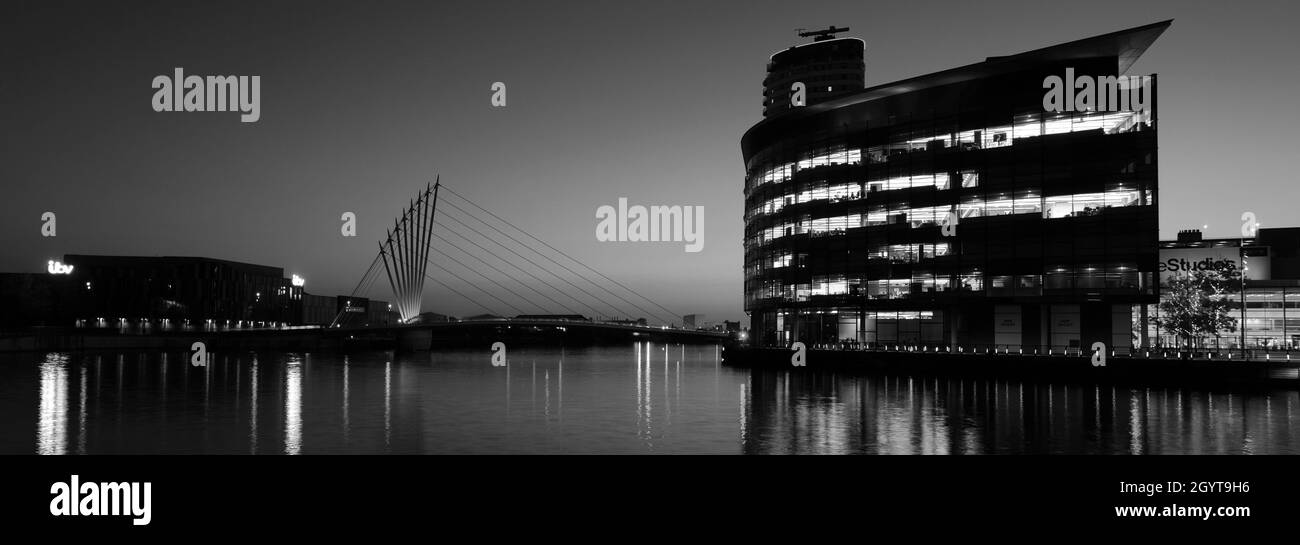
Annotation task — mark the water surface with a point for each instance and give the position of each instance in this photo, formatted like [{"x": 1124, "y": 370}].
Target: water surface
[{"x": 642, "y": 398}]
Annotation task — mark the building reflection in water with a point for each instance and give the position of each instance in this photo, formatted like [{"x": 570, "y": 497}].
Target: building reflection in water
[
  {"x": 52, "y": 418},
  {"x": 293, "y": 405},
  {"x": 683, "y": 400},
  {"x": 346, "y": 411},
  {"x": 644, "y": 418},
  {"x": 252, "y": 407},
  {"x": 659, "y": 370},
  {"x": 824, "y": 413},
  {"x": 81, "y": 412},
  {"x": 388, "y": 404}
]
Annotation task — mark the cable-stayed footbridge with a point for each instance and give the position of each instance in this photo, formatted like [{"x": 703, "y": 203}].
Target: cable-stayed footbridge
[{"x": 514, "y": 277}]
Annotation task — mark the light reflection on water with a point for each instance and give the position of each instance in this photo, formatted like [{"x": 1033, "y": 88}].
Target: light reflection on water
[
  {"x": 832, "y": 414},
  {"x": 642, "y": 398},
  {"x": 51, "y": 428},
  {"x": 293, "y": 406}
]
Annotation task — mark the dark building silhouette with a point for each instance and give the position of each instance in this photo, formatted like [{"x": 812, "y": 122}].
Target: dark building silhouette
[
  {"x": 829, "y": 68},
  {"x": 174, "y": 293},
  {"x": 180, "y": 289},
  {"x": 345, "y": 311},
  {"x": 39, "y": 299},
  {"x": 1051, "y": 237}
]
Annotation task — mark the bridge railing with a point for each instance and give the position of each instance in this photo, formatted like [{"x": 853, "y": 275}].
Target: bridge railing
[{"x": 650, "y": 327}]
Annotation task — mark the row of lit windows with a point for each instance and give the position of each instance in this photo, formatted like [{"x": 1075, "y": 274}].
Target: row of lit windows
[
  {"x": 854, "y": 191},
  {"x": 1272, "y": 321},
  {"x": 972, "y": 280},
  {"x": 1025, "y": 126},
  {"x": 1028, "y": 202},
  {"x": 895, "y": 253}
]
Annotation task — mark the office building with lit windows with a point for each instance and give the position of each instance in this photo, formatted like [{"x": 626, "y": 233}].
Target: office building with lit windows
[
  {"x": 1267, "y": 302},
  {"x": 952, "y": 209}
]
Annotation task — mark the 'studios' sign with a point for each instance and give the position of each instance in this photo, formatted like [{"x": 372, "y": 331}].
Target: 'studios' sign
[
  {"x": 1175, "y": 264},
  {"x": 1184, "y": 261}
]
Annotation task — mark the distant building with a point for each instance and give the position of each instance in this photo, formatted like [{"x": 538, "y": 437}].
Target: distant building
[
  {"x": 638, "y": 321},
  {"x": 828, "y": 68},
  {"x": 171, "y": 293},
  {"x": 692, "y": 321},
  {"x": 1270, "y": 262},
  {"x": 39, "y": 299},
  {"x": 179, "y": 289},
  {"x": 345, "y": 311},
  {"x": 434, "y": 318},
  {"x": 380, "y": 313},
  {"x": 569, "y": 317},
  {"x": 318, "y": 309},
  {"x": 483, "y": 317}
]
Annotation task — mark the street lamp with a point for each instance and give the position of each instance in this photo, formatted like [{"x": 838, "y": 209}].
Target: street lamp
[{"x": 1244, "y": 268}]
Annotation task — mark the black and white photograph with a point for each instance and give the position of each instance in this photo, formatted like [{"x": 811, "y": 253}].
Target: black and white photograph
[{"x": 1051, "y": 246}]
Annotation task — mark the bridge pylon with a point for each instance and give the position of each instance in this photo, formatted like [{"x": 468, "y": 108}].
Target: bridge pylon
[{"x": 405, "y": 252}]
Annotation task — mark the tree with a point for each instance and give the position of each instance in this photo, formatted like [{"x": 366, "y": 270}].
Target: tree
[{"x": 1199, "y": 304}]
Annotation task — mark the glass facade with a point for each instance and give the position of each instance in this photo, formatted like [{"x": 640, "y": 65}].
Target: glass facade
[
  {"x": 1272, "y": 322},
  {"x": 1267, "y": 318},
  {"x": 922, "y": 211}
]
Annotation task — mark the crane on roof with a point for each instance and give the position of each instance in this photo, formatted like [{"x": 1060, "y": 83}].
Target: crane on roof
[{"x": 822, "y": 35}]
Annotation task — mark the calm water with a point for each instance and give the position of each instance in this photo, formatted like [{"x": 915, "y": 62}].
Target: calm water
[{"x": 633, "y": 399}]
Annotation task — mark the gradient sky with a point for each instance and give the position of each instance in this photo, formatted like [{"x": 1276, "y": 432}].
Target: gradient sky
[{"x": 363, "y": 104}]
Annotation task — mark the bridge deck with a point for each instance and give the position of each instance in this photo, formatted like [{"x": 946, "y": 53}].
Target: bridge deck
[{"x": 576, "y": 324}]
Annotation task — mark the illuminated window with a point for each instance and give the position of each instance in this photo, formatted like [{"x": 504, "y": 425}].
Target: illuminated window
[
  {"x": 1028, "y": 202},
  {"x": 971, "y": 280},
  {"x": 999, "y": 204}
]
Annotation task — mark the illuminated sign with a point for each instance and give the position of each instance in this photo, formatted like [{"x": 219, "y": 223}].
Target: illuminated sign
[
  {"x": 54, "y": 267},
  {"x": 298, "y": 281},
  {"x": 1185, "y": 261},
  {"x": 1175, "y": 264}
]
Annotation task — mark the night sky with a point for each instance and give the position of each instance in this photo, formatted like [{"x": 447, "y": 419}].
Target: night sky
[{"x": 363, "y": 104}]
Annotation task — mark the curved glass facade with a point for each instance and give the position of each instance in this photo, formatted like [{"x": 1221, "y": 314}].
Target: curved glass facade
[{"x": 952, "y": 210}]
